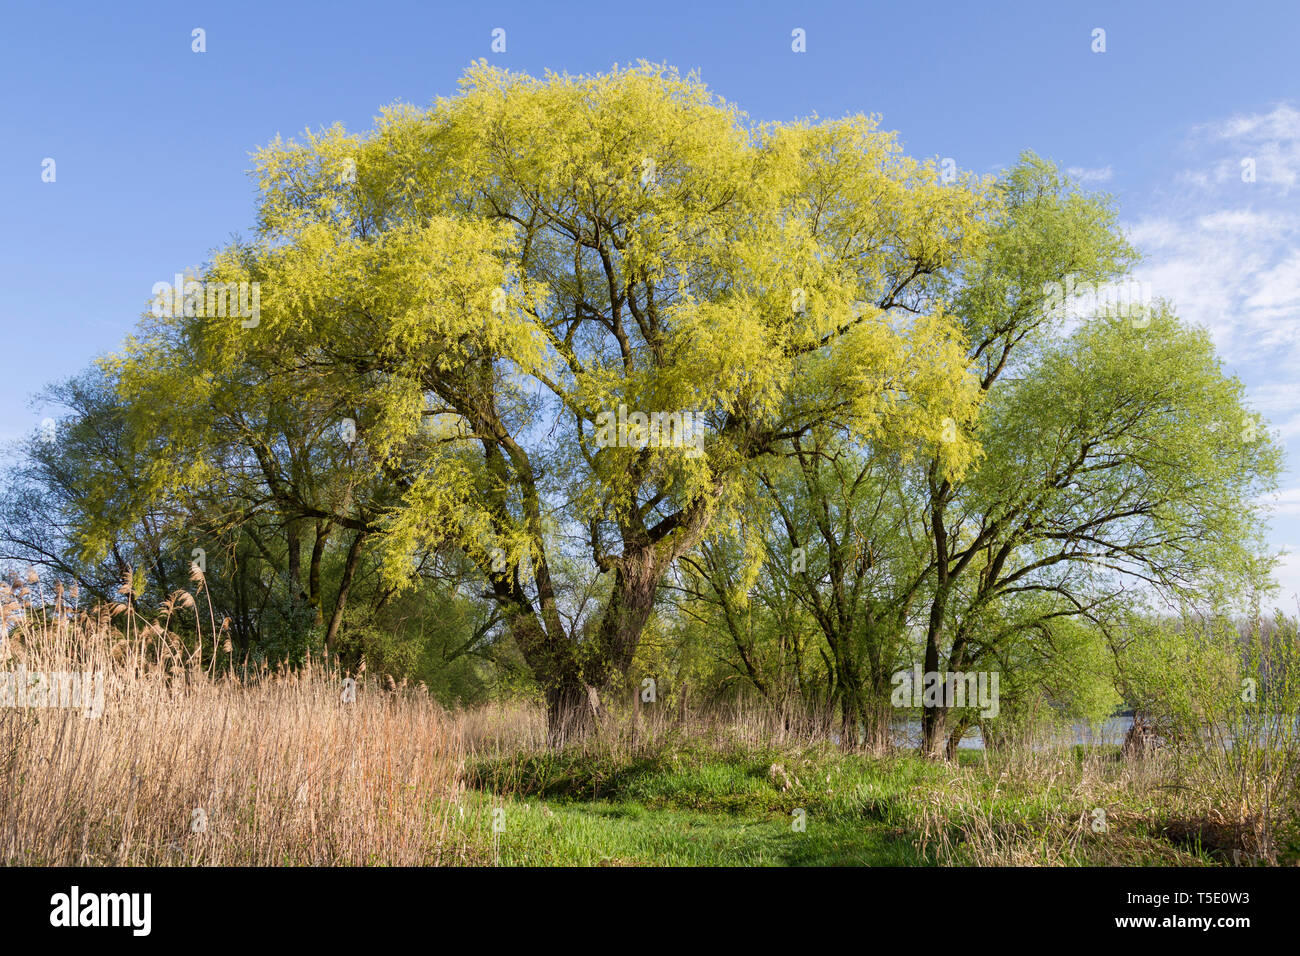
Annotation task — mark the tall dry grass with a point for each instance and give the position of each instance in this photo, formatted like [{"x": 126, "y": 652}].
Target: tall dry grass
[
  {"x": 1040, "y": 804},
  {"x": 190, "y": 765},
  {"x": 624, "y": 727},
  {"x": 1044, "y": 804}
]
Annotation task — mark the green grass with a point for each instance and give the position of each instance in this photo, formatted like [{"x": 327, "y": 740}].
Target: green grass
[
  {"x": 699, "y": 778},
  {"x": 688, "y": 804},
  {"x": 693, "y": 806},
  {"x": 602, "y": 833}
]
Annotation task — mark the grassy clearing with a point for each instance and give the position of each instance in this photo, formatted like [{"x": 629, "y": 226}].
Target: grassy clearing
[
  {"x": 686, "y": 807},
  {"x": 690, "y": 804},
  {"x": 605, "y": 833}
]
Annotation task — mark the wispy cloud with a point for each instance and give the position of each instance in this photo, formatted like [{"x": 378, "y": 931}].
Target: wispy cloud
[
  {"x": 1283, "y": 502},
  {"x": 1267, "y": 144},
  {"x": 1087, "y": 174},
  {"x": 1223, "y": 245},
  {"x": 1287, "y": 575},
  {"x": 1226, "y": 250}
]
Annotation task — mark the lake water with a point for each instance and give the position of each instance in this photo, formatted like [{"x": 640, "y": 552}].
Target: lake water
[{"x": 1111, "y": 731}]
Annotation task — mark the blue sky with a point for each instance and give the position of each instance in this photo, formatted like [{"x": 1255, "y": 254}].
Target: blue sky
[{"x": 151, "y": 140}]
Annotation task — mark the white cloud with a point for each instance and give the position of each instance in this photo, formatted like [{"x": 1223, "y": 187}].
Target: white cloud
[
  {"x": 1228, "y": 271},
  {"x": 1227, "y": 252},
  {"x": 1086, "y": 174},
  {"x": 1287, "y": 427},
  {"x": 1287, "y": 575},
  {"x": 1283, "y": 123},
  {"x": 1279, "y": 403},
  {"x": 1246, "y": 223},
  {"x": 1279, "y": 286},
  {"x": 1271, "y": 140},
  {"x": 1283, "y": 502}
]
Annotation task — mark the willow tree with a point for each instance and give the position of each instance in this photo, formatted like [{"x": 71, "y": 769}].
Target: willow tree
[
  {"x": 1118, "y": 464},
  {"x": 1124, "y": 466},
  {"x": 1118, "y": 461},
  {"x": 485, "y": 284},
  {"x": 842, "y": 554}
]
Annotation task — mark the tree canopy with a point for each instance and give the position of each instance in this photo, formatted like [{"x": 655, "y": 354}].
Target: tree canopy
[{"x": 564, "y": 346}]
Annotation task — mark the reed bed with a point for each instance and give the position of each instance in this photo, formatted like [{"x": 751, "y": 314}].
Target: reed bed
[{"x": 192, "y": 764}]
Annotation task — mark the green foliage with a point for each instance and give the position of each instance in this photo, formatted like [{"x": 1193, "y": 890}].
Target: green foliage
[{"x": 401, "y": 457}]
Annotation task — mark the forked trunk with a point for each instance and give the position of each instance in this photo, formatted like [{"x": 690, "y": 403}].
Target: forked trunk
[{"x": 570, "y": 714}]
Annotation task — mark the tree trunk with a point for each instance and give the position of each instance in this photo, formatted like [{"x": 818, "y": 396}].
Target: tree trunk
[
  {"x": 345, "y": 585},
  {"x": 293, "y": 543},
  {"x": 570, "y": 716},
  {"x": 853, "y": 711},
  {"x": 954, "y": 741},
  {"x": 313, "y": 570},
  {"x": 932, "y": 717},
  {"x": 647, "y": 555},
  {"x": 635, "y": 582}
]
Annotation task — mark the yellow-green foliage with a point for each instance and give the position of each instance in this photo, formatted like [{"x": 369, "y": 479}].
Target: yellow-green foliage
[{"x": 502, "y": 267}]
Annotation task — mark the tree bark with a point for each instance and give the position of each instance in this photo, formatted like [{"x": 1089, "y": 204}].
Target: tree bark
[
  {"x": 294, "y": 545},
  {"x": 932, "y": 717},
  {"x": 345, "y": 585},
  {"x": 570, "y": 716},
  {"x": 313, "y": 570}
]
